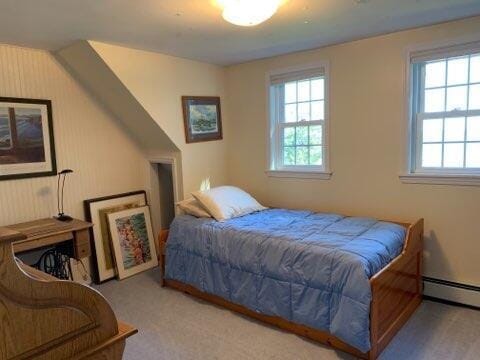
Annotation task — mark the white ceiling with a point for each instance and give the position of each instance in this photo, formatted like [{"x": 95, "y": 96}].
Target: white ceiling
[{"x": 195, "y": 29}]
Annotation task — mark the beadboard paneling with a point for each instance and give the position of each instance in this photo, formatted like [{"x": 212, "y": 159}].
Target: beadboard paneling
[{"x": 87, "y": 140}]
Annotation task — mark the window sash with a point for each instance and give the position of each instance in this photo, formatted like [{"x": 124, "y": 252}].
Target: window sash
[
  {"x": 276, "y": 93},
  {"x": 419, "y": 142},
  {"x": 279, "y": 155},
  {"x": 418, "y": 66}
]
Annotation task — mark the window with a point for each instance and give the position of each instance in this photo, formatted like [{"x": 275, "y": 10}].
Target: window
[
  {"x": 298, "y": 116},
  {"x": 445, "y": 111},
  {"x": 5, "y": 132}
]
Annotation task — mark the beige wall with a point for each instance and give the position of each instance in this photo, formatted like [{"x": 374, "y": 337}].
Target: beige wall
[
  {"x": 157, "y": 82},
  {"x": 367, "y": 137},
  {"x": 87, "y": 140}
]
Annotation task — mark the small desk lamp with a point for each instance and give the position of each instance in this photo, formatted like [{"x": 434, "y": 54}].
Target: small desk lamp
[{"x": 61, "y": 216}]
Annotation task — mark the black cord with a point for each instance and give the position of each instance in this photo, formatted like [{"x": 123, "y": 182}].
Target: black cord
[
  {"x": 58, "y": 193},
  {"x": 63, "y": 185}
]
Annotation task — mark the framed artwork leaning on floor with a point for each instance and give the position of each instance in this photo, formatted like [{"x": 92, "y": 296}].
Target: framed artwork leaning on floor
[{"x": 132, "y": 241}]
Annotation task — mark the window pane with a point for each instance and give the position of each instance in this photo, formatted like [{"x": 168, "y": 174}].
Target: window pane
[
  {"x": 5, "y": 141},
  {"x": 474, "y": 97},
  {"x": 434, "y": 100},
  {"x": 302, "y": 135},
  {"x": 457, "y": 71},
  {"x": 290, "y": 92},
  {"x": 316, "y": 155},
  {"x": 475, "y": 69},
  {"x": 318, "y": 112},
  {"x": 291, "y": 113},
  {"x": 473, "y": 128},
  {"x": 289, "y": 136},
  {"x": 302, "y": 155},
  {"x": 455, "y": 129},
  {"x": 435, "y": 74},
  {"x": 289, "y": 155},
  {"x": 457, "y": 98},
  {"x": 473, "y": 155},
  {"x": 315, "y": 135},
  {"x": 318, "y": 89},
  {"x": 304, "y": 111},
  {"x": 304, "y": 90},
  {"x": 453, "y": 155},
  {"x": 432, "y": 155},
  {"x": 432, "y": 130}
]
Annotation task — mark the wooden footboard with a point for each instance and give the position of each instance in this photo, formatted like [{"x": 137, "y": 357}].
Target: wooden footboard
[
  {"x": 396, "y": 293},
  {"x": 396, "y": 290}
]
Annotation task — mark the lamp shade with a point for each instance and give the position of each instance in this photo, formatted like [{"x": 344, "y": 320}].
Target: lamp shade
[{"x": 248, "y": 12}]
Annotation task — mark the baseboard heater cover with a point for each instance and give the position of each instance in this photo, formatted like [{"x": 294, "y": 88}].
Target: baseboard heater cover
[{"x": 452, "y": 291}]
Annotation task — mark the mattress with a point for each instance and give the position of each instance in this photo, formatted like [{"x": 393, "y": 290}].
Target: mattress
[{"x": 309, "y": 268}]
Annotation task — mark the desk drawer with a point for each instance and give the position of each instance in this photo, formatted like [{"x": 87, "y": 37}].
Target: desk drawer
[
  {"x": 82, "y": 250},
  {"x": 81, "y": 244}
]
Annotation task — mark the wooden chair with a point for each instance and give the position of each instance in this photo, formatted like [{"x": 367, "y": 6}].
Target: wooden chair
[{"x": 45, "y": 318}]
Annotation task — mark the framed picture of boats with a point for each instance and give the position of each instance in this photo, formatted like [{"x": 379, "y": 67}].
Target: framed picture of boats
[{"x": 202, "y": 118}]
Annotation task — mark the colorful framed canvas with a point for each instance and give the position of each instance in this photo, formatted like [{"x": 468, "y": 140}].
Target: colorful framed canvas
[
  {"x": 132, "y": 241},
  {"x": 27, "y": 147},
  {"x": 202, "y": 118},
  {"x": 96, "y": 212}
]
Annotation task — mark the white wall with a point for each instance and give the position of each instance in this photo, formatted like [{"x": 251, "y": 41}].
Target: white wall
[
  {"x": 158, "y": 82},
  {"x": 87, "y": 140},
  {"x": 367, "y": 122}
]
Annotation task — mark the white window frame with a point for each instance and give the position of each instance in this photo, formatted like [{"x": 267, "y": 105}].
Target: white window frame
[
  {"x": 415, "y": 173},
  {"x": 275, "y": 166}
]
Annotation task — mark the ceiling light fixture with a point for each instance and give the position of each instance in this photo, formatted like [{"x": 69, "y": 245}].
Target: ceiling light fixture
[{"x": 248, "y": 12}]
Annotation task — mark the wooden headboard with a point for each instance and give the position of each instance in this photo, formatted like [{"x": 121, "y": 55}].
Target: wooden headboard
[{"x": 45, "y": 318}]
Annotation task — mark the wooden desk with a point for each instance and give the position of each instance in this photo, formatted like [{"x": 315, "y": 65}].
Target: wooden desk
[{"x": 46, "y": 232}]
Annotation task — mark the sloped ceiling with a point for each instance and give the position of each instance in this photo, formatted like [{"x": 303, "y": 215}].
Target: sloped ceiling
[
  {"x": 88, "y": 67},
  {"x": 194, "y": 29},
  {"x": 143, "y": 91}
]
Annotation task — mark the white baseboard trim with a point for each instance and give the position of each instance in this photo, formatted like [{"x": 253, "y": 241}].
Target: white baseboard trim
[{"x": 451, "y": 291}]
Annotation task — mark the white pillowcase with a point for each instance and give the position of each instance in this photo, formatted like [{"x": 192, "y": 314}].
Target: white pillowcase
[
  {"x": 193, "y": 207},
  {"x": 226, "y": 202}
]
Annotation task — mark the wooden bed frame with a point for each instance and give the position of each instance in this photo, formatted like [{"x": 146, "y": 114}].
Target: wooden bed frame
[
  {"x": 396, "y": 294},
  {"x": 44, "y": 318}
]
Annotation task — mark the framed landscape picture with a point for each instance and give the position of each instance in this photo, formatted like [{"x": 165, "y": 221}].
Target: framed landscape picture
[
  {"x": 96, "y": 212},
  {"x": 27, "y": 147},
  {"x": 132, "y": 240},
  {"x": 202, "y": 117}
]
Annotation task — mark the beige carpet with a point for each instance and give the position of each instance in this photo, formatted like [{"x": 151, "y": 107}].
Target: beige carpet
[{"x": 174, "y": 326}]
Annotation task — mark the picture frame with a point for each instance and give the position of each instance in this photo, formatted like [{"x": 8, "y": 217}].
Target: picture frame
[
  {"x": 132, "y": 241},
  {"x": 96, "y": 212},
  {"x": 202, "y": 117},
  {"x": 27, "y": 145}
]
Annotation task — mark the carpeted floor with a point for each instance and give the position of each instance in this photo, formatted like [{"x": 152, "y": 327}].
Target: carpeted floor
[{"x": 174, "y": 326}]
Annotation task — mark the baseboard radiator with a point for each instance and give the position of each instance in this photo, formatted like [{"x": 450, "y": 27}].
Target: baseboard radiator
[{"x": 452, "y": 292}]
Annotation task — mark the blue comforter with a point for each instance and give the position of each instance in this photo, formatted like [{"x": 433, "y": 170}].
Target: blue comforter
[{"x": 309, "y": 268}]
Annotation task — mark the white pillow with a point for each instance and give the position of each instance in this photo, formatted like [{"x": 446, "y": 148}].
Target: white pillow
[
  {"x": 193, "y": 207},
  {"x": 226, "y": 202}
]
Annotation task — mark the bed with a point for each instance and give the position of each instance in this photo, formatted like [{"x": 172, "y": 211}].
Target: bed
[{"x": 349, "y": 282}]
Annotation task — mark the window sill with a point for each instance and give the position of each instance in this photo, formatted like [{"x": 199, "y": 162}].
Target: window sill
[
  {"x": 441, "y": 179},
  {"x": 299, "y": 174}
]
